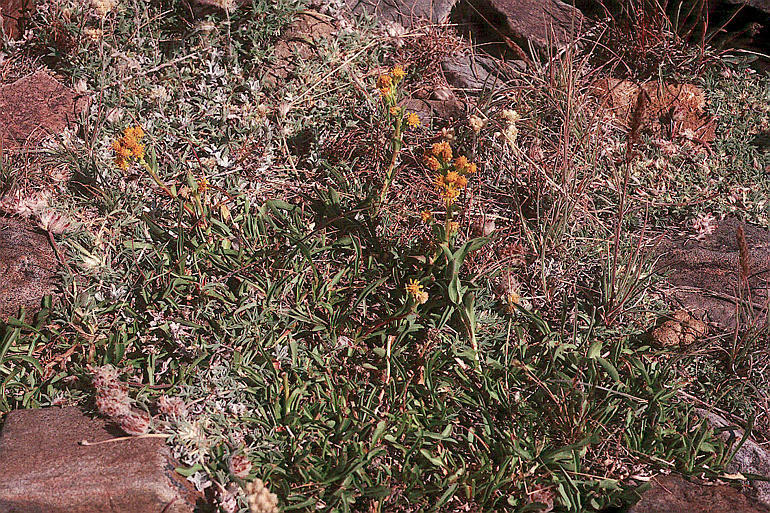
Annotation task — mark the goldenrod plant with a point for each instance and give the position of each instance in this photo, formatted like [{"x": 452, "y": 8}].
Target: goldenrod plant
[{"x": 398, "y": 119}]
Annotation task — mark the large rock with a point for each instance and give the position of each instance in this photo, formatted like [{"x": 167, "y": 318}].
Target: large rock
[
  {"x": 672, "y": 494},
  {"x": 44, "y": 469},
  {"x": 475, "y": 72},
  {"x": 13, "y": 15},
  {"x": 27, "y": 267},
  {"x": 405, "y": 12},
  {"x": 35, "y": 107},
  {"x": 762, "y": 5},
  {"x": 300, "y": 41},
  {"x": 703, "y": 275},
  {"x": 749, "y": 459},
  {"x": 544, "y": 23}
]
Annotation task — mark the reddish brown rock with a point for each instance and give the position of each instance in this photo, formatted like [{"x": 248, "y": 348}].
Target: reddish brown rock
[
  {"x": 13, "y": 16},
  {"x": 300, "y": 41},
  {"x": 749, "y": 457},
  {"x": 44, "y": 469},
  {"x": 673, "y": 494},
  {"x": 35, "y": 107},
  {"x": 703, "y": 275},
  {"x": 544, "y": 23},
  {"x": 404, "y": 12},
  {"x": 27, "y": 267}
]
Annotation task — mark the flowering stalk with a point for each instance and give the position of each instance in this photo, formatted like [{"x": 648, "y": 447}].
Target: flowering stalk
[
  {"x": 129, "y": 147},
  {"x": 451, "y": 178},
  {"x": 387, "y": 85}
]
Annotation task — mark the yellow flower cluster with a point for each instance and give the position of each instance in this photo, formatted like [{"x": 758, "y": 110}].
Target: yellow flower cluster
[
  {"x": 450, "y": 176},
  {"x": 385, "y": 84},
  {"x": 416, "y": 292},
  {"x": 128, "y": 146}
]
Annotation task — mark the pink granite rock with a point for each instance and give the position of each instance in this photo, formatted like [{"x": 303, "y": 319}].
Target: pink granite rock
[
  {"x": 35, "y": 107},
  {"x": 44, "y": 469}
]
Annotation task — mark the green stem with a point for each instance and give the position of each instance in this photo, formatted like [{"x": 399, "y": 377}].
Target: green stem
[
  {"x": 163, "y": 186},
  {"x": 397, "y": 142}
]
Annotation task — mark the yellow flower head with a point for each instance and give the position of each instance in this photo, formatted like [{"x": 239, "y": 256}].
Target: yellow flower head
[
  {"x": 450, "y": 194},
  {"x": 134, "y": 133},
  {"x": 398, "y": 73},
  {"x": 128, "y": 146},
  {"x": 452, "y": 177},
  {"x": 137, "y": 151},
  {"x": 462, "y": 164},
  {"x": 384, "y": 84},
  {"x": 426, "y": 216},
  {"x": 431, "y": 162},
  {"x": 415, "y": 291},
  {"x": 413, "y": 120},
  {"x": 443, "y": 151},
  {"x": 203, "y": 185}
]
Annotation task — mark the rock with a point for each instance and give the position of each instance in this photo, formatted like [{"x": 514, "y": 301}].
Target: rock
[
  {"x": 46, "y": 470},
  {"x": 13, "y": 15},
  {"x": 299, "y": 41},
  {"x": 681, "y": 330},
  {"x": 404, "y": 12},
  {"x": 702, "y": 275},
  {"x": 544, "y": 23},
  {"x": 668, "y": 110},
  {"x": 27, "y": 267},
  {"x": 35, "y": 107},
  {"x": 750, "y": 458},
  {"x": 427, "y": 109},
  {"x": 673, "y": 494},
  {"x": 762, "y": 5},
  {"x": 476, "y": 72}
]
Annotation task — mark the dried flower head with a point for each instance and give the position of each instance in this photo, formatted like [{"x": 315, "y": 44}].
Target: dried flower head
[
  {"x": 172, "y": 406},
  {"x": 93, "y": 33},
  {"x": 136, "y": 422},
  {"x": 24, "y": 205},
  {"x": 426, "y": 216},
  {"x": 704, "y": 225},
  {"x": 239, "y": 465},
  {"x": 103, "y": 7},
  {"x": 54, "y": 222},
  {"x": 476, "y": 123},
  {"x": 103, "y": 376},
  {"x": 260, "y": 499},
  {"x": 113, "y": 405}
]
